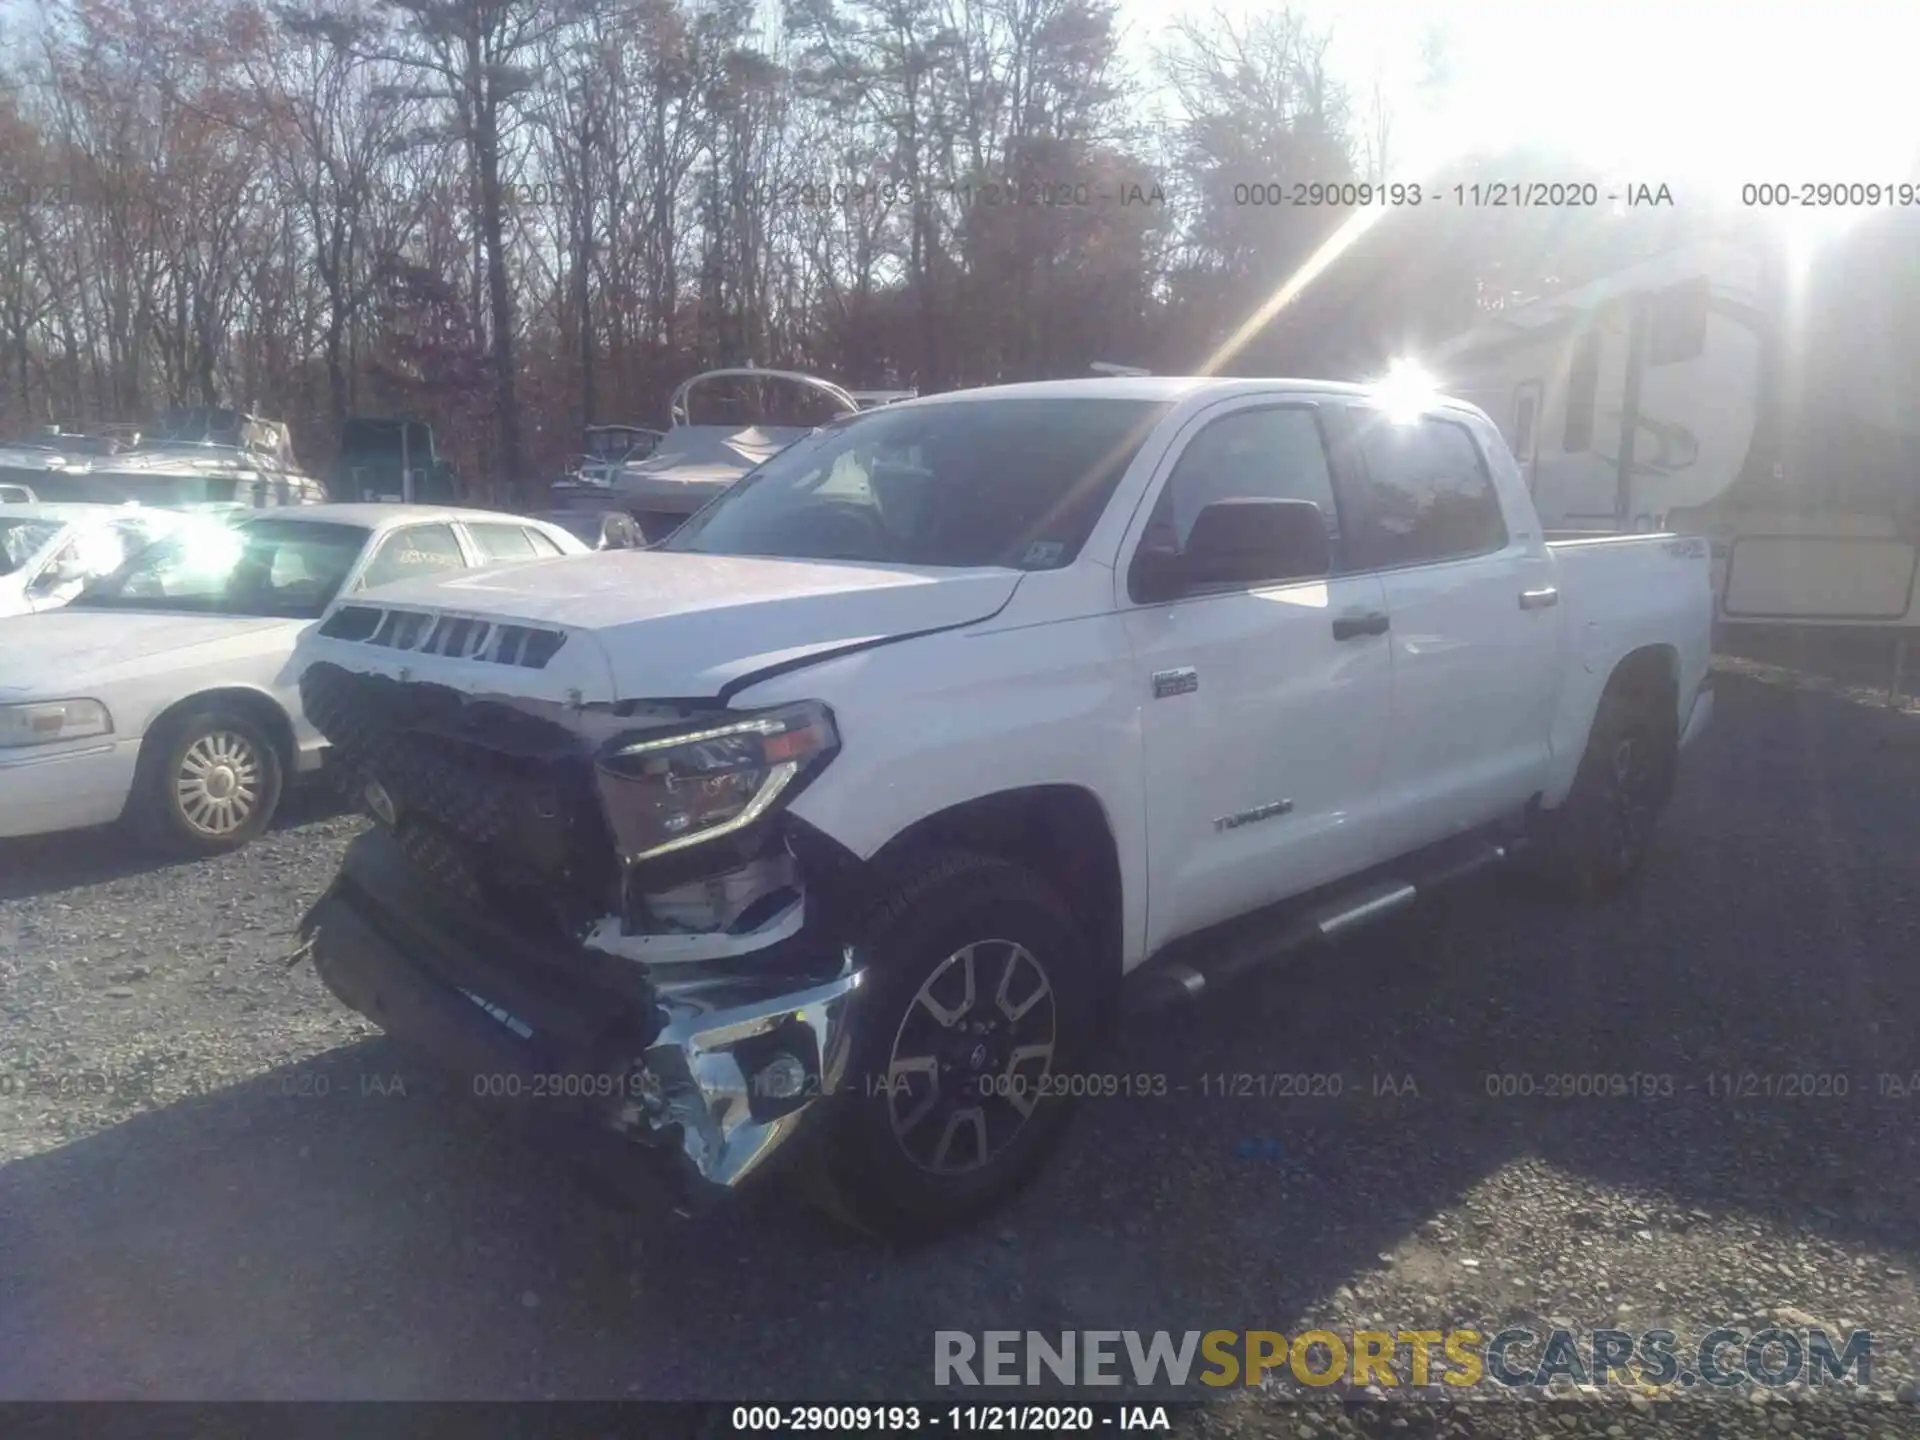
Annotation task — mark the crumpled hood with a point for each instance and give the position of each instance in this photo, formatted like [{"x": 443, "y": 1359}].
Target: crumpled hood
[
  {"x": 63, "y": 651},
  {"x": 682, "y": 626}
]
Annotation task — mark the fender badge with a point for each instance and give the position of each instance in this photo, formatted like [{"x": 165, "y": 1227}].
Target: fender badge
[{"x": 1183, "y": 681}]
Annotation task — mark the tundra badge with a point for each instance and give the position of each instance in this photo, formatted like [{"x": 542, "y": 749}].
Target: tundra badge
[{"x": 1259, "y": 812}]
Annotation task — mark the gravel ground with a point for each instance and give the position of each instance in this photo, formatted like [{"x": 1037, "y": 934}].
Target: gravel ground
[{"x": 217, "y": 1183}]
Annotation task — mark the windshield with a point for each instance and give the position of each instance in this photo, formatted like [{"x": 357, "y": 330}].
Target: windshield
[
  {"x": 21, "y": 540},
  {"x": 281, "y": 568},
  {"x": 978, "y": 482}
]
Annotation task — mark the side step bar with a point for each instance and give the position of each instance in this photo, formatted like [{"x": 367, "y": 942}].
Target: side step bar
[{"x": 1256, "y": 944}]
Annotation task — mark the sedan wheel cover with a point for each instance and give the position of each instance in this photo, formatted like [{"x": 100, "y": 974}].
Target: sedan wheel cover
[
  {"x": 972, "y": 1057},
  {"x": 216, "y": 790}
]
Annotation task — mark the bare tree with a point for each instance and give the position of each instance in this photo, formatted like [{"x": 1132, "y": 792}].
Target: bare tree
[
  {"x": 511, "y": 217},
  {"x": 470, "y": 55}
]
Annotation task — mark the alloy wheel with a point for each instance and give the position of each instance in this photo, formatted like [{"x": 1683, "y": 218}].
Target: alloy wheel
[{"x": 971, "y": 1057}]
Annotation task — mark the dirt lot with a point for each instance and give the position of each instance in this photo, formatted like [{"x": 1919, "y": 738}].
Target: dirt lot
[{"x": 217, "y": 1183}]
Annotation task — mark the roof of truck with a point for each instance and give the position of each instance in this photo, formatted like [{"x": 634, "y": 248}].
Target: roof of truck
[{"x": 1133, "y": 387}]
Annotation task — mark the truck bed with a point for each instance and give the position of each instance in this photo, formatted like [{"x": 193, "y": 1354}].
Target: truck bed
[{"x": 1620, "y": 593}]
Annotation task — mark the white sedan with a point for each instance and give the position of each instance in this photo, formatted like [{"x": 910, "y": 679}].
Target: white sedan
[
  {"x": 49, "y": 552},
  {"x": 164, "y": 693}
]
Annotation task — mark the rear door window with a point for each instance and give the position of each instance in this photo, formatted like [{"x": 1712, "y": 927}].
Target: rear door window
[
  {"x": 415, "y": 551},
  {"x": 1429, "y": 494},
  {"x": 502, "y": 542}
]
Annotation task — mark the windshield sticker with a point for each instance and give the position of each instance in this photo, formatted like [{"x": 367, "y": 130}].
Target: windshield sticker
[{"x": 1043, "y": 552}]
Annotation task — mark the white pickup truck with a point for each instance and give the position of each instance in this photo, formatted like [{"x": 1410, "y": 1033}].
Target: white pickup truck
[{"x": 838, "y": 827}]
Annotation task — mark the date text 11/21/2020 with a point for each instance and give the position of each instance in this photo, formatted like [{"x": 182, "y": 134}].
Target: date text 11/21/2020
[
  {"x": 1141, "y": 1085},
  {"x": 966, "y": 195},
  {"x": 1493, "y": 195},
  {"x": 954, "y": 1419},
  {"x": 1009, "y": 1084}
]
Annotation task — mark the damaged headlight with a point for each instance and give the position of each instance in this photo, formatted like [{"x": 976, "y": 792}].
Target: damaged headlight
[{"x": 663, "y": 793}]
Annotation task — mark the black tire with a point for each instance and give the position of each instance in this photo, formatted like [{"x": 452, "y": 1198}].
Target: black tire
[
  {"x": 238, "y": 766},
  {"x": 879, "y": 1162},
  {"x": 1596, "y": 841}
]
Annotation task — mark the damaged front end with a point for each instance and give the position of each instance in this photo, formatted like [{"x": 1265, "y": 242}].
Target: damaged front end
[{"x": 600, "y": 912}]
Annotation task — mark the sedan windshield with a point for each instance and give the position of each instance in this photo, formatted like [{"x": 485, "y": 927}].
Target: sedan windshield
[
  {"x": 281, "y": 568},
  {"x": 1015, "y": 482},
  {"x": 21, "y": 540}
]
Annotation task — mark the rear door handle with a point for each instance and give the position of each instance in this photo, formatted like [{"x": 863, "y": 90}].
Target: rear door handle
[
  {"x": 1539, "y": 599},
  {"x": 1352, "y": 627}
]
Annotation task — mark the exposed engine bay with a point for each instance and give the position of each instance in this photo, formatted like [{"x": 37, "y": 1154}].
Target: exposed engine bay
[
  {"x": 585, "y": 877},
  {"x": 646, "y": 832}
]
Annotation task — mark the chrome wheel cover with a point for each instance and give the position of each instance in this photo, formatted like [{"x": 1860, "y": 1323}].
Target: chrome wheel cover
[
  {"x": 216, "y": 788},
  {"x": 970, "y": 1057}
]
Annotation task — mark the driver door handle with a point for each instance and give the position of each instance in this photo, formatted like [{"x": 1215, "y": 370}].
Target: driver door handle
[
  {"x": 1352, "y": 627},
  {"x": 1539, "y": 599}
]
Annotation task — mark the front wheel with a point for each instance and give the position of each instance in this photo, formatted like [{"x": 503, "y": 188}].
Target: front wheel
[
  {"x": 207, "y": 783},
  {"x": 981, "y": 1003}
]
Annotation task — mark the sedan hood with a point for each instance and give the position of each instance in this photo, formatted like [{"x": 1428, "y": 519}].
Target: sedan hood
[
  {"x": 63, "y": 651},
  {"x": 682, "y": 626}
]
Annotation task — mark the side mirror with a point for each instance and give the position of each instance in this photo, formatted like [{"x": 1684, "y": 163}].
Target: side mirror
[{"x": 1250, "y": 541}]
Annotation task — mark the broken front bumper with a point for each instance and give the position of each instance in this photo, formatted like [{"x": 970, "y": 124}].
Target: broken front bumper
[{"x": 706, "y": 1070}]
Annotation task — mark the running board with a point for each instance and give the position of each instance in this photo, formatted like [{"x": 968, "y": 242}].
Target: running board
[{"x": 1208, "y": 964}]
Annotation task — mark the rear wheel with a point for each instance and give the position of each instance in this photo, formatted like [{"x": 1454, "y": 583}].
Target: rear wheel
[
  {"x": 980, "y": 1003},
  {"x": 1594, "y": 844},
  {"x": 207, "y": 782}
]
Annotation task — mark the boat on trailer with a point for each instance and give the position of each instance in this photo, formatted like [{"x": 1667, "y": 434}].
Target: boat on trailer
[
  {"x": 723, "y": 423},
  {"x": 202, "y": 456}
]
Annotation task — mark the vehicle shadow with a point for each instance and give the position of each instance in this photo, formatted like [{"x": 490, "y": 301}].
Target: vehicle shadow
[
  {"x": 385, "y": 1239},
  {"x": 46, "y": 864}
]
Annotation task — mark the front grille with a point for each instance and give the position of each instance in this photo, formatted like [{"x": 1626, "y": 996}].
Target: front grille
[
  {"x": 456, "y": 637},
  {"x": 489, "y": 801},
  {"x": 440, "y": 859}
]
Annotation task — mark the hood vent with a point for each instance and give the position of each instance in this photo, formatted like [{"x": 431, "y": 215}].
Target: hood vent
[{"x": 457, "y": 637}]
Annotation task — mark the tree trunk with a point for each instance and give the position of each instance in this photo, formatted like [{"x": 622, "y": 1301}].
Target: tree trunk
[
  {"x": 583, "y": 291},
  {"x": 499, "y": 293}
]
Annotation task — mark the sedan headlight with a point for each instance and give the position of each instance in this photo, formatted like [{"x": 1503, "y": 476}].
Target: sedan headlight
[
  {"x": 663, "y": 793},
  {"x": 45, "y": 721}
]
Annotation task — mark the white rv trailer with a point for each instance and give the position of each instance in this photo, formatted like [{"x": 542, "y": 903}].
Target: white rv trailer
[{"x": 1754, "y": 387}]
